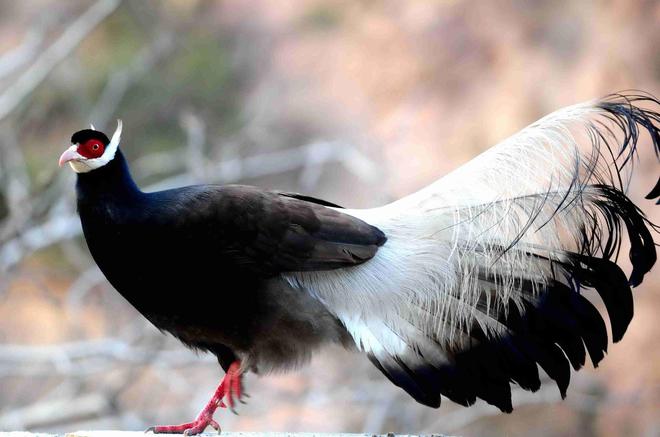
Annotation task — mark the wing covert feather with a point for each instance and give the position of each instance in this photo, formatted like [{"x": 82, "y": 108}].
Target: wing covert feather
[{"x": 269, "y": 233}]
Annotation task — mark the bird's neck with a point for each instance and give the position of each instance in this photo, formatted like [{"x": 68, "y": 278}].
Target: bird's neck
[{"x": 112, "y": 182}]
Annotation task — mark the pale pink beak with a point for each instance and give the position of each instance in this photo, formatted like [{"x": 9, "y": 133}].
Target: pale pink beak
[{"x": 69, "y": 154}]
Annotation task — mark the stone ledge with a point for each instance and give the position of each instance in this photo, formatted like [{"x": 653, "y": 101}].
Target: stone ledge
[{"x": 224, "y": 434}]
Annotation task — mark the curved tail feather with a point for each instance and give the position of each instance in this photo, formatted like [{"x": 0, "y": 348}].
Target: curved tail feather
[{"x": 480, "y": 280}]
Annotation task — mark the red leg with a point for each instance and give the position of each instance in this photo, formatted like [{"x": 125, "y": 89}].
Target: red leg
[{"x": 230, "y": 388}]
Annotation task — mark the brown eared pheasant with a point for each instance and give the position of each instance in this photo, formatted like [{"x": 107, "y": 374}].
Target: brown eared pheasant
[{"x": 460, "y": 290}]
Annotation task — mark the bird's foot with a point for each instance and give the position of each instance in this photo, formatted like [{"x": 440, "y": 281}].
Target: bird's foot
[
  {"x": 229, "y": 390},
  {"x": 188, "y": 429}
]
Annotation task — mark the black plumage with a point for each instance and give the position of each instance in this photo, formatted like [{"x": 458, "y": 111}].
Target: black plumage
[
  {"x": 199, "y": 261},
  {"x": 262, "y": 278}
]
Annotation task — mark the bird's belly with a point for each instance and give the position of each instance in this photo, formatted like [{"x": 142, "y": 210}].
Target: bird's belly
[
  {"x": 171, "y": 284},
  {"x": 205, "y": 301},
  {"x": 207, "y": 305}
]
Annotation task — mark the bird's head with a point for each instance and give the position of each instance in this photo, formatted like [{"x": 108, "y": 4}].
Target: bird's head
[{"x": 91, "y": 149}]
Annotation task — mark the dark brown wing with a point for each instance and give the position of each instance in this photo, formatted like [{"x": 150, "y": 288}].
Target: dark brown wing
[
  {"x": 269, "y": 232},
  {"x": 321, "y": 238},
  {"x": 309, "y": 199}
]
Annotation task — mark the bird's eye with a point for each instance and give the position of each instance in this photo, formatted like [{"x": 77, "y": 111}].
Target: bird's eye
[{"x": 95, "y": 147}]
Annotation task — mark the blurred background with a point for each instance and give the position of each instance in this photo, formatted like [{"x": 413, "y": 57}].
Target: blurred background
[{"x": 358, "y": 102}]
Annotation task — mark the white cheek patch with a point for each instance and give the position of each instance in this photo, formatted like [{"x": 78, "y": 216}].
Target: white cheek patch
[
  {"x": 80, "y": 166},
  {"x": 84, "y": 165}
]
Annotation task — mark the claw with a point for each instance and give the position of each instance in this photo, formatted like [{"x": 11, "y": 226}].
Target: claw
[
  {"x": 214, "y": 425},
  {"x": 151, "y": 429}
]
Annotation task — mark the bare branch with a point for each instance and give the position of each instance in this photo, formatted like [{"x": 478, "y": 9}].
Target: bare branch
[
  {"x": 82, "y": 358},
  {"x": 120, "y": 81},
  {"x": 196, "y": 133},
  {"x": 82, "y": 285},
  {"x": 74, "y": 34},
  {"x": 50, "y": 413},
  {"x": 23, "y": 54},
  {"x": 15, "y": 181}
]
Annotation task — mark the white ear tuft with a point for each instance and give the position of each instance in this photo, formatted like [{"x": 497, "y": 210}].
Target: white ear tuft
[
  {"x": 91, "y": 126},
  {"x": 114, "y": 141},
  {"x": 116, "y": 137}
]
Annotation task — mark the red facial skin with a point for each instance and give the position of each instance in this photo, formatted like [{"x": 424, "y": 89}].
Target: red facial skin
[{"x": 91, "y": 149}]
